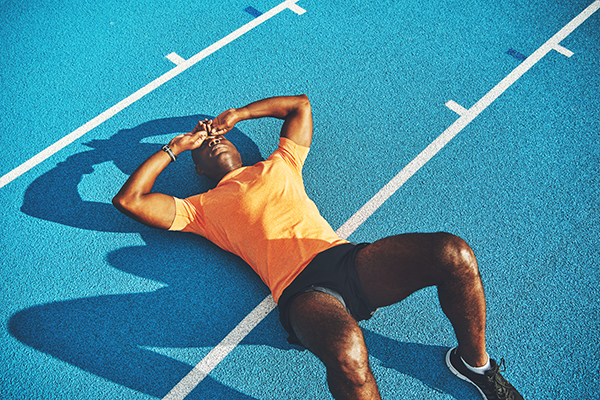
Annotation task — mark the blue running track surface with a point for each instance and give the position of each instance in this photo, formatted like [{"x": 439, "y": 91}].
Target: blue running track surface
[{"x": 473, "y": 117}]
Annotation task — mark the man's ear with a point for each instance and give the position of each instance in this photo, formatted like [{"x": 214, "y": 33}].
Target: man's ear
[{"x": 199, "y": 170}]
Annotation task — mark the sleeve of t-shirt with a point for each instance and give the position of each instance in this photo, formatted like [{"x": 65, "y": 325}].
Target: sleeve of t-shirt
[
  {"x": 188, "y": 216},
  {"x": 292, "y": 153}
]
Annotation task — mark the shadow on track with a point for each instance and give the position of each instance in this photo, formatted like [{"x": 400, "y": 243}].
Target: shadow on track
[{"x": 207, "y": 292}]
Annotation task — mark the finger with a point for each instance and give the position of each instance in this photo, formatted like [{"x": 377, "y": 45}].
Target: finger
[
  {"x": 197, "y": 127},
  {"x": 200, "y": 139},
  {"x": 198, "y": 134}
]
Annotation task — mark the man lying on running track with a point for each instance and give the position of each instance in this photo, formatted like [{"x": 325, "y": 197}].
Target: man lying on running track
[{"x": 322, "y": 284}]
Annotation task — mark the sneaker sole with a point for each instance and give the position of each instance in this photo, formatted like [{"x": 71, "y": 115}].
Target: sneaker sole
[{"x": 459, "y": 375}]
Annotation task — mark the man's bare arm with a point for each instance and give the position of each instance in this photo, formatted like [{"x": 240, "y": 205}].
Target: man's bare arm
[
  {"x": 136, "y": 200},
  {"x": 294, "y": 110}
]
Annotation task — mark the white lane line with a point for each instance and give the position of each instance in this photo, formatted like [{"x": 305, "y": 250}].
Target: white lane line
[
  {"x": 175, "y": 58},
  {"x": 457, "y": 108},
  {"x": 82, "y": 130},
  {"x": 267, "y": 305},
  {"x": 388, "y": 190},
  {"x": 564, "y": 51},
  {"x": 216, "y": 355}
]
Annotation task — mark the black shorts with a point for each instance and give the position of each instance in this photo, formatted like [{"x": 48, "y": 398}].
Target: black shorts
[{"x": 331, "y": 271}]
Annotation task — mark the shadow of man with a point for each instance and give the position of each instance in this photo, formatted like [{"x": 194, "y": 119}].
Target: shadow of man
[{"x": 207, "y": 291}]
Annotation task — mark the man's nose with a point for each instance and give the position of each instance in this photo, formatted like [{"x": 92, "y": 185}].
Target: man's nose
[{"x": 214, "y": 141}]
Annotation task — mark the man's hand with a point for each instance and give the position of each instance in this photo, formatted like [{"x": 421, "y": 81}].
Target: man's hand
[
  {"x": 193, "y": 139},
  {"x": 225, "y": 121},
  {"x": 294, "y": 110}
]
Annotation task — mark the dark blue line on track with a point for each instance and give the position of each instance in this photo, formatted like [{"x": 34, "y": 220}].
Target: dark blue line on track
[
  {"x": 516, "y": 54},
  {"x": 253, "y": 11}
]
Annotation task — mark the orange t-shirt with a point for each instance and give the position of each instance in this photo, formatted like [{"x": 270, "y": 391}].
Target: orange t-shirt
[{"x": 262, "y": 214}]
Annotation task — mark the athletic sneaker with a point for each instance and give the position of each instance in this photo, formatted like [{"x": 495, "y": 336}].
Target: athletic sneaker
[{"x": 492, "y": 385}]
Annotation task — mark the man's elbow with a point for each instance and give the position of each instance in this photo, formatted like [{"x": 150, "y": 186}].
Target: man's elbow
[
  {"x": 303, "y": 102},
  {"x": 123, "y": 204},
  {"x": 301, "y": 106}
]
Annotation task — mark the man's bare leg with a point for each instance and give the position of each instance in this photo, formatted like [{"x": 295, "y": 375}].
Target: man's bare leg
[
  {"x": 392, "y": 268},
  {"x": 326, "y": 329}
]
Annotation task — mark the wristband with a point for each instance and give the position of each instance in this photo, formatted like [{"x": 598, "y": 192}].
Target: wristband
[{"x": 168, "y": 150}]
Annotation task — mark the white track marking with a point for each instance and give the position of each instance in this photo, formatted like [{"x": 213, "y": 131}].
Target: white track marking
[
  {"x": 175, "y": 58},
  {"x": 388, "y": 190},
  {"x": 297, "y": 9},
  {"x": 216, "y": 355},
  {"x": 457, "y": 108},
  {"x": 267, "y": 305},
  {"x": 82, "y": 130},
  {"x": 565, "y": 52}
]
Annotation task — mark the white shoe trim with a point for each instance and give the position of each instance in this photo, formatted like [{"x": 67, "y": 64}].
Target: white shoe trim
[{"x": 459, "y": 375}]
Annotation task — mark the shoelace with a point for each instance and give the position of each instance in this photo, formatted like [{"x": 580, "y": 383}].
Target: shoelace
[{"x": 502, "y": 389}]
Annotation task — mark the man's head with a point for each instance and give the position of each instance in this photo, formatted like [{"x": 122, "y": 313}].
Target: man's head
[{"x": 216, "y": 157}]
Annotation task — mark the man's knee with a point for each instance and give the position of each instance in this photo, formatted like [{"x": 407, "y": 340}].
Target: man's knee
[
  {"x": 457, "y": 256},
  {"x": 349, "y": 359}
]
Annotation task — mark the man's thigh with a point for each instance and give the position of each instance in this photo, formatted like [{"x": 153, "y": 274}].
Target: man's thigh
[{"x": 393, "y": 268}]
